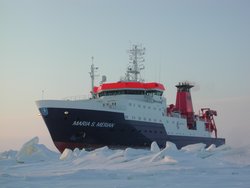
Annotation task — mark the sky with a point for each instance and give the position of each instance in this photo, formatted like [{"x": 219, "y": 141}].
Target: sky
[{"x": 46, "y": 48}]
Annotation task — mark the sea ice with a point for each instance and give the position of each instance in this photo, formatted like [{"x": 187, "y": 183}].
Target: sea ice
[
  {"x": 66, "y": 155},
  {"x": 194, "y": 148},
  {"x": 154, "y": 147},
  {"x": 36, "y": 166},
  {"x": 31, "y": 151}
]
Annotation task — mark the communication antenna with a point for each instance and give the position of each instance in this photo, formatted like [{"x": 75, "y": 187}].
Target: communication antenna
[
  {"x": 159, "y": 73},
  {"x": 136, "y": 60},
  {"x": 42, "y": 94},
  {"x": 92, "y": 76}
]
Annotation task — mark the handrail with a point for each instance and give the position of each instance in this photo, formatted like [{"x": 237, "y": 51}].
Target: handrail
[{"x": 77, "y": 97}]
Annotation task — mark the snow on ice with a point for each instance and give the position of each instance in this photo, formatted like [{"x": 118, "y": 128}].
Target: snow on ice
[
  {"x": 31, "y": 151},
  {"x": 193, "y": 166}
]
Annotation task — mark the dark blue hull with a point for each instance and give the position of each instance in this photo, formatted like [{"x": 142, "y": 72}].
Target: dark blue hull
[{"x": 71, "y": 128}]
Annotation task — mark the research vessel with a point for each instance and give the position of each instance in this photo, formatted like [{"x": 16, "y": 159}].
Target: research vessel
[{"x": 128, "y": 113}]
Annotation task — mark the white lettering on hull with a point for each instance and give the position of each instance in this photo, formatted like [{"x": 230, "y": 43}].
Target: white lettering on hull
[{"x": 93, "y": 124}]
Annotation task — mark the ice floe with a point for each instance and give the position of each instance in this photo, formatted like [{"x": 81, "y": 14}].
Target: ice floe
[{"x": 191, "y": 166}]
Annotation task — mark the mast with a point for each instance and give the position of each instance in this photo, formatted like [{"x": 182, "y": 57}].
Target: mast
[
  {"x": 92, "y": 76},
  {"x": 135, "y": 64}
]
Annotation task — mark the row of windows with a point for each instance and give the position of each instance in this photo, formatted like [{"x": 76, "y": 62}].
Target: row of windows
[
  {"x": 144, "y": 106},
  {"x": 146, "y": 131},
  {"x": 139, "y": 131},
  {"x": 130, "y": 92},
  {"x": 144, "y": 119}
]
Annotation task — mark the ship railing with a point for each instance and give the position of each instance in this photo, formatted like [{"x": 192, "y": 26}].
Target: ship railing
[
  {"x": 176, "y": 115},
  {"x": 77, "y": 97}
]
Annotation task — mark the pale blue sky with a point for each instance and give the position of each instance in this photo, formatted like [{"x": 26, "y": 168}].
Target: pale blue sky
[{"x": 47, "y": 45}]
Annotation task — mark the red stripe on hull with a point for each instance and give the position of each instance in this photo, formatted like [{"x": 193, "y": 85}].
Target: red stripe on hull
[{"x": 61, "y": 146}]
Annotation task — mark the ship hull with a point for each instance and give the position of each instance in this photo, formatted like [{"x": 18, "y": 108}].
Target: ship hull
[{"x": 90, "y": 129}]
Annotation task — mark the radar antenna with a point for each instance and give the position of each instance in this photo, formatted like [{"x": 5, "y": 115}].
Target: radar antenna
[{"x": 135, "y": 63}]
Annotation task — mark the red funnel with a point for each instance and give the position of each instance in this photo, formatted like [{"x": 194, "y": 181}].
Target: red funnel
[{"x": 184, "y": 103}]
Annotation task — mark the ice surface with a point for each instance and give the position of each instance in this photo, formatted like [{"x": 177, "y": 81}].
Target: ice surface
[
  {"x": 31, "y": 151},
  {"x": 194, "y": 148},
  {"x": 154, "y": 147},
  {"x": 11, "y": 154},
  {"x": 67, "y": 154},
  {"x": 192, "y": 166}
]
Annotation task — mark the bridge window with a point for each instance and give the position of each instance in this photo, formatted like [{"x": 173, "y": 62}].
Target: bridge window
[
  {"x": 130, "y": 92},
  {"x": 154, "y": 92},
  {"x": 121, "y": 92}
]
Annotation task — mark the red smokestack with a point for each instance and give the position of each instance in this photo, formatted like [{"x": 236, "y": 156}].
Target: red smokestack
[{"x": 184, "y": 103}]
